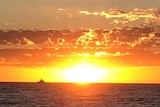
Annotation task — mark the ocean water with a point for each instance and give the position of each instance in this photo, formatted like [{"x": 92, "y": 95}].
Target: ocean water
[{"x": 74, "y": 95}]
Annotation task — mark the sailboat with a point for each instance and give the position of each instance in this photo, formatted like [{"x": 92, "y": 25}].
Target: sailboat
[{"x": 41, "y": 81}]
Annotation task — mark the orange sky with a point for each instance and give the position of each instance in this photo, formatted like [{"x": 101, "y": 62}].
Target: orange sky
[
  {"x": 117, "y": 39},
  {"x": 114, "y": 75}
]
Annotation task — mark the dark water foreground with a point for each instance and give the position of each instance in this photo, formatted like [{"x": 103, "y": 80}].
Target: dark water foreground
[{"x": 71, "y": 95}]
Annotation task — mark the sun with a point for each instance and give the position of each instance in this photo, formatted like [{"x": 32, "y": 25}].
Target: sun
[{"x": 84, "y": 73}]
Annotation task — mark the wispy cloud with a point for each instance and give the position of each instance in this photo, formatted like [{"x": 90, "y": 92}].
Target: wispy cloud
[
  {"x": 124, "y": 17},
  {"x": 61, "y": 9},
  {"x": 5, "y": 23}
]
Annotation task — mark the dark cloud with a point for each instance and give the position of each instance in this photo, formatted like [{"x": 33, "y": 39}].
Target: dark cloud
[{"x": 130, "y": 46}]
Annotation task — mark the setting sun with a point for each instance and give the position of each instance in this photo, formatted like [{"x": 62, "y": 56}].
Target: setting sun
[{"x": 84, "y": 73}]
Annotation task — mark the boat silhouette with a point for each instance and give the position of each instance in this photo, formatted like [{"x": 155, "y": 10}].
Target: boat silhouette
[{"x": 41, "y": 81}]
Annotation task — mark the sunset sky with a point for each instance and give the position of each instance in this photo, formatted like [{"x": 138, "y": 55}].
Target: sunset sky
[
  {"x": 80, "y": 41},
  {"x": 63, "y": 14}
]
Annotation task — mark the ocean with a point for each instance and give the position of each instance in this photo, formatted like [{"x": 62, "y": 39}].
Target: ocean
[{"x": 82, "y": 95}]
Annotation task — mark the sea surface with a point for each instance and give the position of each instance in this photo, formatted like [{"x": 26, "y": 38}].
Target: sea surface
[{"x": 79, "y": 95}]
